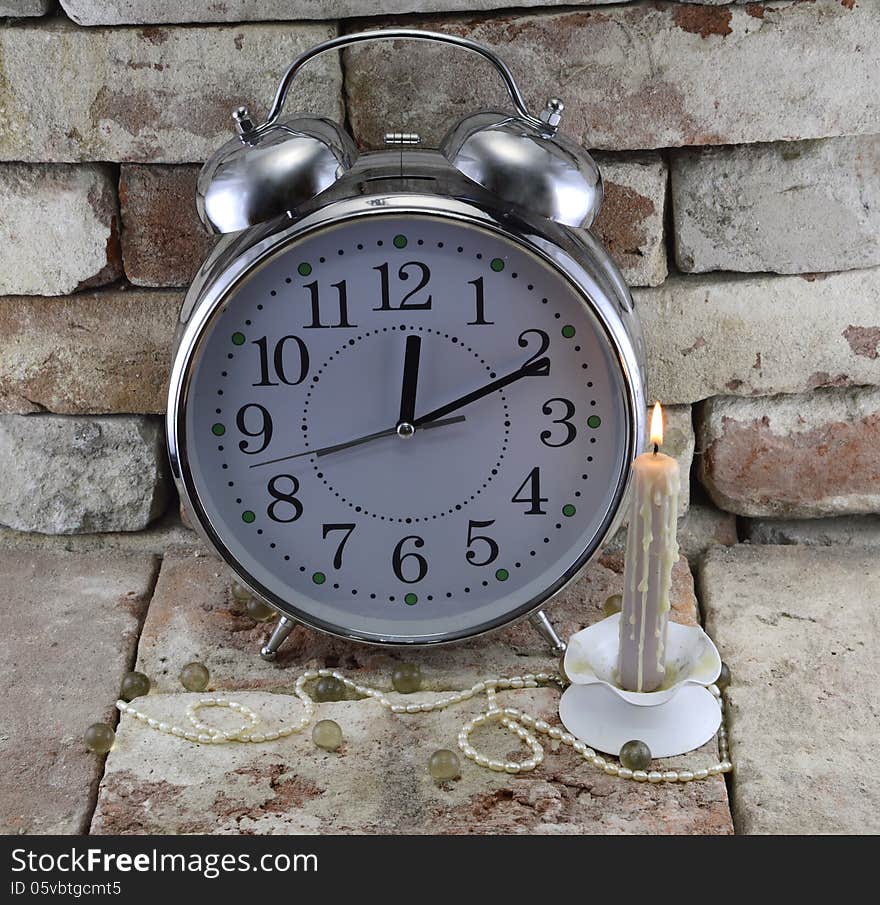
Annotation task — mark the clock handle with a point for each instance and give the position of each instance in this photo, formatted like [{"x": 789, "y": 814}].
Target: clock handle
[{"x": 248, "y": 131}]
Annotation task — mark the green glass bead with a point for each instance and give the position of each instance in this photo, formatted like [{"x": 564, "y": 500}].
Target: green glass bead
[
  {"x": 327, "y": 735},
  {"x": 134, "y": 685},
  {"x": 240, "y": 592},
  {"x": 723, "y": 679},
  {"x": 406, "y": 678},
  {"x": 328, "y": 689},
  {"x": 562, "y": 673},
  {"x": 259, "y": 611},
  {"x": 99, "y": 738},
  {"x": 194, "y": 677},
  {"x": 635, "y": 755},
  {"x": 613, "y": 604},
  {"x": 444, "y": 764}
]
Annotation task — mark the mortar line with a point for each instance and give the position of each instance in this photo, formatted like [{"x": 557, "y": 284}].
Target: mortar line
[
  {"x": 129, "y": 666},
  {"x": 729, "y": 778}
]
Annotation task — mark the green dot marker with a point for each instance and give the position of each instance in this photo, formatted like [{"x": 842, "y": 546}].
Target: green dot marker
[
  {"x": 568, "y": 510},
  {"x": 248, "y": 516},
  {"x": 502, "y": 574},
  {"x": 304, "y": 269},
  {"x": 319, "y": 578},
  {"x": 218, "y": 430},
  {"x": 411, "y": 599},
  {"x": 568, "y": 331},
  {"x": 594, "y": 421},
  {"x": 399, "y": 242},
  {"x": 238, "y": 339},
  {"x": 497, "y": 265}
]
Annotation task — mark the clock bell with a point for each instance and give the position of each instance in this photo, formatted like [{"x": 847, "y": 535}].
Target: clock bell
[{"x": 275, "y": 168}]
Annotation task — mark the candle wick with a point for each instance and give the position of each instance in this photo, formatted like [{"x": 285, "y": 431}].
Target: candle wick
[{"x": 656, "y": 448}]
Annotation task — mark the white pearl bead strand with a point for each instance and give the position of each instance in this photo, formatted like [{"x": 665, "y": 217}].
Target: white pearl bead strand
[{"x": 520, "y": 724}]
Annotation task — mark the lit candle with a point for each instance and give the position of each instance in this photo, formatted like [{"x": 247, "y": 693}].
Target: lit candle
[{"x": 651, "y": 551}]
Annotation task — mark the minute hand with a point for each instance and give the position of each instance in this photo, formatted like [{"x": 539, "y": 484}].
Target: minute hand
[{"x": 538, "y": 367}]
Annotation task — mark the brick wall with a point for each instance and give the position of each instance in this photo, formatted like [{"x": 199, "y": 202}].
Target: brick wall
[{"x": 740, "y": 150}]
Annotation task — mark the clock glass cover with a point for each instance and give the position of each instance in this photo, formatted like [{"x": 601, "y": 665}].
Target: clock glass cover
[{"x": 499, "y": 404}]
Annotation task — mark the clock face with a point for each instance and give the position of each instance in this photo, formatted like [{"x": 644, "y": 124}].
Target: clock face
[{"x": 405, "y": 428}]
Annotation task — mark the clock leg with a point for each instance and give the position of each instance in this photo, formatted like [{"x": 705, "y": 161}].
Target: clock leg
[
  {"x": 545, "y": 629},
  {"x": 270, "y": 649}
]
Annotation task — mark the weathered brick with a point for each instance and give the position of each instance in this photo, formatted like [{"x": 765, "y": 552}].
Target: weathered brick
[
  {"x": 738, "y": 335},
  {"x": 121, "y": 12},
  {"x": 70, "y": 627},
  {"x": 645, "y": 75},
  {"x": 163, "y": 240},
  {"x": 89, "y": 353},
  {"x": 788, "y": 208},
  {"x": 846, "y": 530},
  {"x": 156, "y": 95},
  {"x": 21, "y": 8},
  {"x": 630, "y": 223},
  {"x": 64, "y": 475},
  {"x": 798, "y": 627},
  {"x": 799, "y": 456},
  {"x": 59, "y": 228}
]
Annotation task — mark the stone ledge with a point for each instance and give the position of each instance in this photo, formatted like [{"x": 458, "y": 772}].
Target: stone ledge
[
  {"x": 70, "y": 627},
  {"x": 378, "y": 781},
  {"x": 193, "y": 617},
  {"x": 799, "y": 628}
]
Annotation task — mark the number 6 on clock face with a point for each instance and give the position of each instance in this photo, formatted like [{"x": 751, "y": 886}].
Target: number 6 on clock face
[{"x": 405, "y": 427}]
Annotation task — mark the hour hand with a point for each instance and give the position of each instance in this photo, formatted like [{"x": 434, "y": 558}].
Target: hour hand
[{"x": 410, "y": 380}]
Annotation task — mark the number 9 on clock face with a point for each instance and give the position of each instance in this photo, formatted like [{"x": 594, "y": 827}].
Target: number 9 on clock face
[{"x": 405, "y": 428}]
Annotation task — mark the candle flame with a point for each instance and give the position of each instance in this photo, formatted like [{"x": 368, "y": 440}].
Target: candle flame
[{"x": 657, "y": 425}]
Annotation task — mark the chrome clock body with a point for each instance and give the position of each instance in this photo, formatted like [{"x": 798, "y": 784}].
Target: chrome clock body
[
  {"x": 409, "y": 182},
  {"x": 503, "y": 202}
]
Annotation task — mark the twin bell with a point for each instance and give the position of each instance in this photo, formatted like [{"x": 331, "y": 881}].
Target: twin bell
[{"x": 278, "y": 167}]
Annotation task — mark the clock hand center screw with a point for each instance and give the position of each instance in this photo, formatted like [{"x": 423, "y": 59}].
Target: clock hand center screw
[{"x": 405, "y": 430}]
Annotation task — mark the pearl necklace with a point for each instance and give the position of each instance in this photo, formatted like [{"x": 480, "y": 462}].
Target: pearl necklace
[{"x": 510, "y": 718}]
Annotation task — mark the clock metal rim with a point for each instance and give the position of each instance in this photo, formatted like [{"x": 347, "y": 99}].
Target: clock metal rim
[{"x": 206, "y": 301}]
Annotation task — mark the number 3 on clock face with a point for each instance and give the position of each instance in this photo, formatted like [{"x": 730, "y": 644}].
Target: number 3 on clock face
[{"x": 406, "y": 427}]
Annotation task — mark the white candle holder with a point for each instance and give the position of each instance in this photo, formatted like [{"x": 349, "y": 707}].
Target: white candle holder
[{"x": 679, "y": 716}]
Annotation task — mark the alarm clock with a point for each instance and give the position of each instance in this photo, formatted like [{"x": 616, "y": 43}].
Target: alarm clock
[{"x": 408, "y": 384}]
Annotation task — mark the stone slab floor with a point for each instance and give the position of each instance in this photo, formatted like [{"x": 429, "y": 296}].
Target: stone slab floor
[{"x": 798, "y": 627}]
